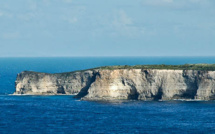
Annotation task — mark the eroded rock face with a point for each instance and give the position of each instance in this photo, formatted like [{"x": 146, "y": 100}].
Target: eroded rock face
[
  {"x": 41, "y": 83},
  {"x": 144, "y": 84},
  {"x": 141, "y": 84}
]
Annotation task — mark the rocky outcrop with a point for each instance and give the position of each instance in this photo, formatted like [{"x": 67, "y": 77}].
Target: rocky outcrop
[
  {"x": 33, "y": 83},
  {"x": 140, "y": 84}
]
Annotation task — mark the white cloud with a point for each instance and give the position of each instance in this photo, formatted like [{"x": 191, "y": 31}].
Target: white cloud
[
  {"x": 121, "y": 19},
  {"x": 68, "y": 1},
  {"x": 168, "y": 1},
  {"x": 73, "y": 15},
  {"x": 72, "y": 20},
  {"x": 124, "y": 25},
  {"x": 11, "y": 35},
  {"x": 196, "y": 1},
  {"x": 26, "y": 16},
  {"x": 32, "y": 4},
  {"x": 175, "y": 3},
  {"x": 6, "y": 14},
  {"x": 157, "y": 2}
]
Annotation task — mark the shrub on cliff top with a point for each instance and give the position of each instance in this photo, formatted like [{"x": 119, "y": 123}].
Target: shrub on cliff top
[{"x": 203, "y": 67}]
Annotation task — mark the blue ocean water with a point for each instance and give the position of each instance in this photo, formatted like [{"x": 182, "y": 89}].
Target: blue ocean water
[{"x": 64, "y": 114}]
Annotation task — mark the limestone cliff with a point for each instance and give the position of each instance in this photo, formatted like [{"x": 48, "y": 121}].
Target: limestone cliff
[
  {"x": 33, "y": 83},
  {"x": 141, "y": 84}
]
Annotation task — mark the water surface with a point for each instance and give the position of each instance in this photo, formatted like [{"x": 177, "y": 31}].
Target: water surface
[{"x": 64, "y": 114}]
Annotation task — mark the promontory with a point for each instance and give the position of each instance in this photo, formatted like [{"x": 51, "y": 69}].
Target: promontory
[{"x": 140, "y": 82}]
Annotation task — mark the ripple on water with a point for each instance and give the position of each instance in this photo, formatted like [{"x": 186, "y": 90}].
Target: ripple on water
[{"x": 46, "y": 114}]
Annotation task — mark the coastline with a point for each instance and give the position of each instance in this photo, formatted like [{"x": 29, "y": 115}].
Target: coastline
[{"x": 120, "y": 84}]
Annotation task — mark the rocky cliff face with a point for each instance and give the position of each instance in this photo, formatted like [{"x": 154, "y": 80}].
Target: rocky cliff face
[
  {"x": 33, "y": 83},
  {"x": 141, "y": 84}
]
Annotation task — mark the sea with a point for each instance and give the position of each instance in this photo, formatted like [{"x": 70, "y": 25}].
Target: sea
[{"x": 66, "y": 114}]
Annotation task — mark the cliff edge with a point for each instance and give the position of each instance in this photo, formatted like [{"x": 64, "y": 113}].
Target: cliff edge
[{"x": 107, "y": 84}]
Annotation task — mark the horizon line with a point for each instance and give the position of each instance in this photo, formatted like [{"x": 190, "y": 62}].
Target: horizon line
[{"x": 92, "y": 56}]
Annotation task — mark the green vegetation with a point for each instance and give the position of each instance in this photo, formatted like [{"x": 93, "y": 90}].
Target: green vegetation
[
  {"x": 202, "y": 67},
  {"x": 199, "y": 67}
]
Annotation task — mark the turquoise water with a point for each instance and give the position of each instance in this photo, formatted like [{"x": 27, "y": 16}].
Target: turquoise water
[{"x": 64, "y": 114}]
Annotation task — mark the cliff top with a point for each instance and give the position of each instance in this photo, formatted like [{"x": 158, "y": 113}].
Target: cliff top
[{"x": 201, "y": 67}]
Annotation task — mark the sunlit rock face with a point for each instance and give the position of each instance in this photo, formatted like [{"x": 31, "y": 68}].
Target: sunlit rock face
[
  {"x": 144, "y": 84},
  {"x": 141, "y": 84},
  {"x": 49, "y": 84}
]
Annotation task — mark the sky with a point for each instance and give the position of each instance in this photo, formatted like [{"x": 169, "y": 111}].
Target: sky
[{"x": 74, "y": 28}]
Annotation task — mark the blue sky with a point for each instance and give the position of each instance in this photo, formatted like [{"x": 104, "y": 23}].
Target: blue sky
[{"x": 37, "y": 28}]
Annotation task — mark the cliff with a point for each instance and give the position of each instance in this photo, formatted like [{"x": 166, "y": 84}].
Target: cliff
[
  {"x": 34, "y": 83},
  {"x": 141, "y": 84}
]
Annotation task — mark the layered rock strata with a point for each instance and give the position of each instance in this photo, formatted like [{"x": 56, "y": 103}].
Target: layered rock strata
[{"x": 103, "y": 84}]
